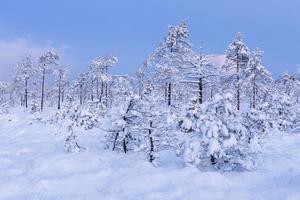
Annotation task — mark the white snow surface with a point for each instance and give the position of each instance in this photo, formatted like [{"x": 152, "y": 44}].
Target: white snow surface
[{"x": 34, "y": 166}]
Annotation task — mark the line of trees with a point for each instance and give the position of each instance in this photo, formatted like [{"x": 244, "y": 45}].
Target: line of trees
[{"x": 212, "y": 116}]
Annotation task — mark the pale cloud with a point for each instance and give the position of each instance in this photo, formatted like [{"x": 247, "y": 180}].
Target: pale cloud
[
  {"x": 219, "y": 60},
  {"x": 11, "y": 51}
]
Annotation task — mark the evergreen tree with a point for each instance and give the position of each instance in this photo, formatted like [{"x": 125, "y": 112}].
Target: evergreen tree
[
  {"x": 237, "y": 57},
  {"x": 45, "y": 61}
]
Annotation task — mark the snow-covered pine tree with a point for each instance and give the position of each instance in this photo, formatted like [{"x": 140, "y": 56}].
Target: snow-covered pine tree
[
  {"x": 237, "y": 58},
  {"x": 22, "y": 73},
  {"x": 80, "y": 87},
  {"x": 288, "y": 84},
  {"x": 121, "y": 121},
  {"x": 45, "y": 61},
  {"x": 152, "y": 125},
  {"x": 256, "y": 79},
  {"x": 97, "y": 74},
  {"x": 168, "y": 60},
  {"x": 284, "y": 102},
  {"x": 200, "y": 74},
  {"x": 4, "y": 96},
  {"x": 71, "y": 143},
  {"x": 61, "y": 80},
  {"x": 284, "y": 114},
  {"x": 220, "y": 139}
]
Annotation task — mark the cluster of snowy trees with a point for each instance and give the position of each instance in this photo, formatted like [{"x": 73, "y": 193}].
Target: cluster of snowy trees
[{"x": 213, "y": 117}]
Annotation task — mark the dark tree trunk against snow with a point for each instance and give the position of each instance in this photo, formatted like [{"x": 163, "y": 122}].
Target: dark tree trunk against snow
[
  {"x": 92, "y": 90},
  {"x": 59, "y": 93},
  {"x": 169, "y": 93},
  {"x": 101, "y": 92},
  {"x": 238, "y": 87},
  {"x": 117, "y": 134},
  {"x": 115, "y": 141},
  {"x": 81, "y": 95},
  {"x": 254, "y": 96},
  {"x": 106, "y": 93},
  {"x": 26, "y": 92},
  {"x": 106, "y": 87},
  {"x": 200, "y": 91},
  {"x": 62, "y": 94},
  {"x": 151, "y": 153},
  {"x": 124, "y": 144},
  {"x": 97, "y": 88},
  {"x": 166, "y": 92},
  {"x": 21, "y": 100},
  {"x": 43, "y": 87}
]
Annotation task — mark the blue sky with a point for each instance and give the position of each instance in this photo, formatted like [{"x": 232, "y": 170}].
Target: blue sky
[{"x": 131, "y": 29}]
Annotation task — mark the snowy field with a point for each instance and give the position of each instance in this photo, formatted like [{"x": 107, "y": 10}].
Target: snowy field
[{"x": 34, "y": 165}]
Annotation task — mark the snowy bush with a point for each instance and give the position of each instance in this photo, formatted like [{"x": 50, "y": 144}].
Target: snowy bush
[
  {"x": 256, "y": 123},
  {"x": 220, "y": 141},
  {"x": 71, "y": 144},
  {"x": 120, "y": 126},
  {"x": 34, "y": 106}
]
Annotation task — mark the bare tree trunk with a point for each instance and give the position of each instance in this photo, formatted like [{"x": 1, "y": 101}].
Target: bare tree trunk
[
  {"x": 97, "y": 88},
  {"x": 43, "y": 86},
  {"x": 106, "y": 93},
  {"x": 238, "y": 87},
  {"x": 101, "y": 92},
  {"x": 62, "y": 94},
  {"x": 81, "y": 98},
  {"x": 124, "y": 145},
  {"x": 151, "y": 154},
  {"x": 26, "y": 92},
  {"x": 92, "y": 90},
  {"x": 59, "y": 93},
  {"x": 115, "y": 141},
  {"x": 106, "y": 87},
  {"x": 200, "y": 91},
  {"x": 169, "y": 93}
]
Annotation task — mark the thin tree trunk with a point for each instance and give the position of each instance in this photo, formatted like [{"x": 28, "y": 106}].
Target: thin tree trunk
[
  {"x": 115, "y": 141},
  {"x": 200, "y": 91},
  {"x": 166, "y": 92},
  {"x": 169, "y": 93},
  {"x": 124, "y": 145},
  {"x": 97, "y": 88},
  {"x": 43, "y": 86},
  {"x": 92, "y": 90},
  {"x": 101, "y": 92},
  {"x": 26, "y": 92},
  {"x": 59, "y": 93},
  {"x": 80, "y": 95},
  {"x": 151, "y": 154},
  {"x": 62, "y": 94},
  {"x": 238, "y": 87},
  {"x": 106, "y": 93},
  {"x": 106, "y": 87}
]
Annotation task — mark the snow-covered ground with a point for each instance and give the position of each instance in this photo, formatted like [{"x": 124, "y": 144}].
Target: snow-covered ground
[{"x": 34, "y": 165}]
